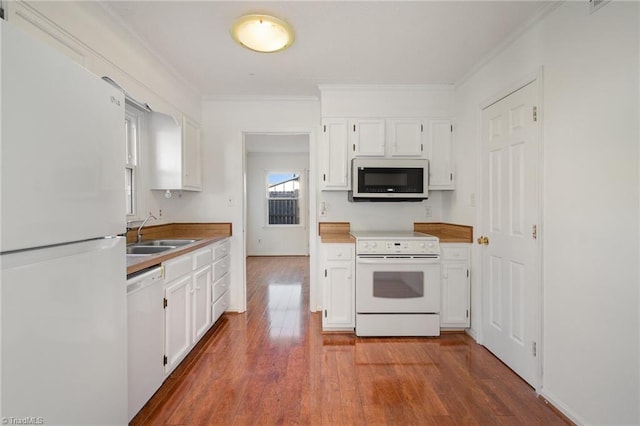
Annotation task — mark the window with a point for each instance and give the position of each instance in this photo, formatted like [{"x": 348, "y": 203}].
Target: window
[
  {"x": 132, "y": 120},
  {"x": 284, "y": 198}
]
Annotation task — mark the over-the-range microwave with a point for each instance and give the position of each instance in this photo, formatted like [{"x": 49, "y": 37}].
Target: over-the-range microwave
[{"x": 389, "y": 179}]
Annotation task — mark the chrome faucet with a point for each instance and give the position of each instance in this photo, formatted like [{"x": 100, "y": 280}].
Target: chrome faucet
[{"x": 139, "y": 237}]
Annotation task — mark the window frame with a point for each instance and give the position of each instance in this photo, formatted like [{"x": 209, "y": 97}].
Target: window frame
[
  {"x": 301, "y": 199},
  {"x": 135, "y": 117}
]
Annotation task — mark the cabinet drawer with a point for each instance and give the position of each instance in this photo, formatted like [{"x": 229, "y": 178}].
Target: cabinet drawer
[
  {"x": 221, "y": 305},
  {"x": 202, "y": 258},
  {"x": 455, "y": 253},
  {"x": 221, "y": 286},
  {"x": 220, "y": 267},
  {"x": 221, "y": 250},
  {"x": 177, "y": 267},
  {"x": 339, "y": 251}
]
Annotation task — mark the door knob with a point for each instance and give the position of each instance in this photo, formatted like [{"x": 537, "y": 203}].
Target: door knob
[{"x": 483, "y": 241}]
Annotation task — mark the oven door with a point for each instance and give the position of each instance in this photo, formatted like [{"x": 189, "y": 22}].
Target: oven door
[{"x": 387, "y": 284}]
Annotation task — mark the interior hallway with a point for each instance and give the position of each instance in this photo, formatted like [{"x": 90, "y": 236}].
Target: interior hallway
[{"x": 272, "y": 365}]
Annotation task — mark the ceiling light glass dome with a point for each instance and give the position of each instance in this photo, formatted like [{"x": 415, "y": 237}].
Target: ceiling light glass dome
[{"x": 262, "y": 33}]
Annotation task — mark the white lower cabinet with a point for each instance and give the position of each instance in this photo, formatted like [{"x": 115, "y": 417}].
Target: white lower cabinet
[
  {"x": 177, "y": 323},
  {"x": 196, "y": 295},
  {"x": 201, "y": 293},
  {"x": 219, "y": 302},
  {"x": 338, "y": 287},
  {"x": 456, "y": 285}
]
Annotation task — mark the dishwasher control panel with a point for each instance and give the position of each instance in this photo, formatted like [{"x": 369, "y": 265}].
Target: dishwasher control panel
[{"x": 144, "y": 278}]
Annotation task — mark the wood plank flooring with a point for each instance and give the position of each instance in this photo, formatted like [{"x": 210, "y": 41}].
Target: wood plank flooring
[{"x": 273, "y": 365}]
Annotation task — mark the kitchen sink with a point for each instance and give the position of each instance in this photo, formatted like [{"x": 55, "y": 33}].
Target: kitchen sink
[
  {"x": 166, "y": 242},
  {"x": 147, "y": 249}
]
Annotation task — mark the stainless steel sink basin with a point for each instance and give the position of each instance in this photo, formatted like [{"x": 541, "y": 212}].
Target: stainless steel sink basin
[
  {"x": 147, "y": 249},
  {"x": 166, "y": 242}
]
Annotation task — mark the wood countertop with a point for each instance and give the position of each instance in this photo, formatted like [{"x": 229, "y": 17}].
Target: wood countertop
[
  {"x": 339, "y": 232},
  {"x": 335, "y": 232},
  {"x": 446, "y": 232},
  {"x": 205, "y": 233}
]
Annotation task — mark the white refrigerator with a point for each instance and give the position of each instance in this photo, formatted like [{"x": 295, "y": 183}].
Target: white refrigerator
[{"x": 63, "y": 310}]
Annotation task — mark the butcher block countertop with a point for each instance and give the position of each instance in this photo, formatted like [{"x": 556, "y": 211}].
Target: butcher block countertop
[
  {"x": 339, "y": 232},
  {"x": 205, "y": 233},
  {"x": 335, "y": 232},
  {"x": 446, "y": 232}
]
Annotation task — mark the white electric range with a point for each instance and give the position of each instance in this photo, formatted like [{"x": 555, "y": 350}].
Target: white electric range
[{"x": 397, "y": 283}]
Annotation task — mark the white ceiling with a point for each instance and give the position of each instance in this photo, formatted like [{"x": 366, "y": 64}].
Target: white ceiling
[{"x": 337, "y": 42}]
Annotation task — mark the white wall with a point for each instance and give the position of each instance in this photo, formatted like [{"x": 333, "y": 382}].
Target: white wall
[
  {"x": 223, "y": 125},
  {"x": 415, "y": 101},
  {"x": 279, "y": 240},
  {"x": 590, "y": 200}
]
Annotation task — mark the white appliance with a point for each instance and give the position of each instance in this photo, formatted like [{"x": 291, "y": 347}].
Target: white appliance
[
  {"x": 145, "y": 336},
  {"x": 397, "y": 284},
  {"x": 63, "y": 276}
]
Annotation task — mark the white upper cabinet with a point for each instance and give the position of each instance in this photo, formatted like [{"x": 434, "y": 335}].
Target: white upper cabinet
[
  {"x": 440, "y": 155},
  {"x": 192, "y": 175},
  {"x": 335, "y": 168},
  {"x": 346, "y": 138},
  {"x": 367, "y": 137},
  {"x": 404, "y": 137},
  {"x": 376, "y": 137},
  {"x": 175, "y": 153}
]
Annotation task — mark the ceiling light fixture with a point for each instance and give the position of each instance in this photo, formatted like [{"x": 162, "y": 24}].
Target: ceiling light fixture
[{"x": 262, "y": 33}]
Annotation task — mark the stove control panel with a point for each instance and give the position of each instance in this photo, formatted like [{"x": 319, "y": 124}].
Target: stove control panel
[{"x": 409, "y": 246}]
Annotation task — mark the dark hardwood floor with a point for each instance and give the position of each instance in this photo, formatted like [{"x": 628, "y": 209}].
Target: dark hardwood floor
[{"x": 273, "y": 365}]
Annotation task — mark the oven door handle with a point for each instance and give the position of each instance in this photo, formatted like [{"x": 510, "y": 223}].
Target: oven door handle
[{"x": 385, "y": 260}]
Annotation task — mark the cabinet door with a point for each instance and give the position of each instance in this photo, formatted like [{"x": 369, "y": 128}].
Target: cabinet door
[
  {"x": 339, "y": 303},
  {"x": 338, "y": 286},
  {"x": 455, "y": 295},
  {"x": 201, "y": 292},
  {"x": 335, "y": 157},
  {"x": 405, "y": 138},
  {"x": 440, "y": 155},
  {"x": 366, "y": 137},
  {"x": 177, "y": 321},
  {"x": 191, "y": 170}
]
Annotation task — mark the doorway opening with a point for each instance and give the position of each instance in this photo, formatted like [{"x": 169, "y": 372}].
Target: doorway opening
[
  {"x": 276, "y": 194},
  {"x": 279, "y": 198}
]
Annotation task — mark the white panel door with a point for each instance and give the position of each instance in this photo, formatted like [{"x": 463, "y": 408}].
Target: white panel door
[{"x": 510, "y": 303}]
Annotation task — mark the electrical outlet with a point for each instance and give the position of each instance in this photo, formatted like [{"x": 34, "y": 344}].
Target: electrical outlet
[
  {"x": 427, "y": 211},
  {"x": 230, "y": 201}
]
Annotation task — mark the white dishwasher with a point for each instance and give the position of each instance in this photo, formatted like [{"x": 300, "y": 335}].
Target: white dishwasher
[{"x": 145, "y": 337}]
